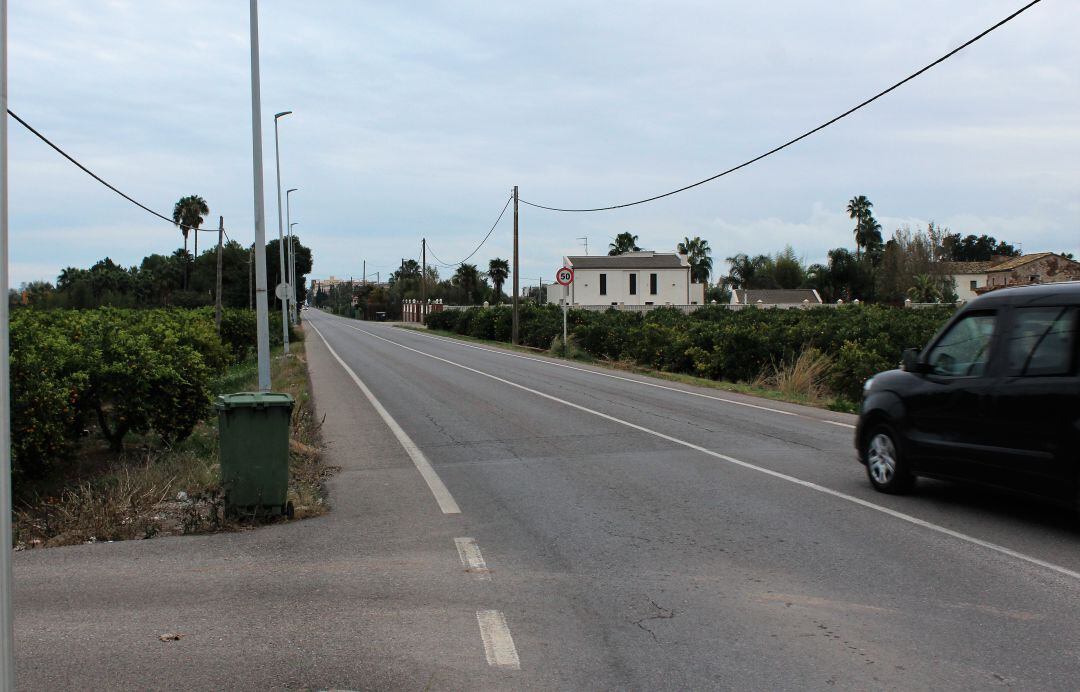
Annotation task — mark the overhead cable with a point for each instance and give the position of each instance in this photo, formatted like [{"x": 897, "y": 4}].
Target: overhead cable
[
  {"x": 805, "y": 134},
  {"x": 469, "y": 256}
]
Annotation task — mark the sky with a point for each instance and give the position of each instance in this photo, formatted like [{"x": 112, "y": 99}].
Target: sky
[{"x": 414, "y": 120}]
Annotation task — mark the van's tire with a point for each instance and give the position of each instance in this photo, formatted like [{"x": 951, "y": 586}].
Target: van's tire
[{"x": 886, "y": 467}]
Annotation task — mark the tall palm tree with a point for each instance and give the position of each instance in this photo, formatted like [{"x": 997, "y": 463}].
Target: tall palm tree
[
  {"x": 924, "y": 290},
  {"x": 698, "y": 253},
  {"x": 188, "y": 215},
  {"x": 498, "y": 271},
  {"x": 467, "y": 277},
  {"x": 859, "y": 208},
  {"x": 624, "y": 242}
]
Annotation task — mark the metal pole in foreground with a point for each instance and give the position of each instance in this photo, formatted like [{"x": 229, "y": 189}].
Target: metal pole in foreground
[
  {"x": 292, "y": 259},
  {"x": 7, "y": 625},
  {"x": 217, "y": 284},
  {"x": 514, "y": 323},
  {"x": 262, "y": 312},
  {"x": 281, "y": 238}
]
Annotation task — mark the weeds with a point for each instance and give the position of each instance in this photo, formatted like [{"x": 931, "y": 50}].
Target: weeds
[{"x": 801, "y": 378}]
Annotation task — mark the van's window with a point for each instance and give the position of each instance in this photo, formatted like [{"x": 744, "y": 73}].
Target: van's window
[
  {"x": 1041, "y": 341},
  {"x": 964, "y": 350}
]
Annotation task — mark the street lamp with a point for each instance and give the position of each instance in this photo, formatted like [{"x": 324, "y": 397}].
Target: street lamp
[
  {"x": 292, "y": 260},
  {"x": 281, "y": 234},
  {"x": 292, "y": 271}
]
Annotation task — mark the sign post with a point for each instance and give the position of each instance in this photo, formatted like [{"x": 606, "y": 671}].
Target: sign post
[{"x": 564, "y": 276}]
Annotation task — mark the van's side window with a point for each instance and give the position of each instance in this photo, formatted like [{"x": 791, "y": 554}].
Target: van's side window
[
  {"x": 1041, "y": 341},
  {"x": 964, "y": 350}
]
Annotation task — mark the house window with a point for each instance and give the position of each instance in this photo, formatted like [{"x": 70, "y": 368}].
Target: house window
[
  {"x": 633, "y": 284},
  {"x": 652, "y": 284},
  {"x": 603, "y": 284},
  {"x": 974, "y": 284}
]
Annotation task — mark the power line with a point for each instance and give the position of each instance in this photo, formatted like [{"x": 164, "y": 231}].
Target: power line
[
  {"x": 455, "y": 264},
  {"x": 809, "y": 132},
  {"x": 95, "y": 176}
]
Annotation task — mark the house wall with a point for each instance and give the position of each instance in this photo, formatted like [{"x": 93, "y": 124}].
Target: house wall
[
  {"x": 963, "y": 285},
  {"x": 1046, "y": 270},
  {"x": 671, "y": 287}
]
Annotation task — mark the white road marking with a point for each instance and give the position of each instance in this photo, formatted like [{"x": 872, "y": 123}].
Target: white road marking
[
  {"x": 472, "y": 558},
  {"x": 498, "y": 644},
  {"x": 438, "y": 489},
  {"x": 630, "y": 379},
  {"x": 760, "y": 469}
]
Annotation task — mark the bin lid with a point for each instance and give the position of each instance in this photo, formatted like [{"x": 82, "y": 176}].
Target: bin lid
[{"x": 253, "y": 400}]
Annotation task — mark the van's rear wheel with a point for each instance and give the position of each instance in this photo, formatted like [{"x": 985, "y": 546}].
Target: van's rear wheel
[{"x": 885, "y": 466}]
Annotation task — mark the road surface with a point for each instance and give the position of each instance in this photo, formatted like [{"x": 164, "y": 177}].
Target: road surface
[{"x": 504, "y": 520}]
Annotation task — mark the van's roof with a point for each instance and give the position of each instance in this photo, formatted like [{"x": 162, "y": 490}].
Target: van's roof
[{"x": 1064, "y": 292}]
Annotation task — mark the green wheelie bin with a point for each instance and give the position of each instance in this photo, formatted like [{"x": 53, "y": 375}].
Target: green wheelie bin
[{"x": 253, "y": 429}]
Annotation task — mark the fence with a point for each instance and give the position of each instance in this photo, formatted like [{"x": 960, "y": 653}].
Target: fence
[{"x": 415, "y": 311}]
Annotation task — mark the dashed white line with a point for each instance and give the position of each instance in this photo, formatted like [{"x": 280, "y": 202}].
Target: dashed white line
[
  {"x": 498, "y": 643},
  {"x": 1000, "y": 549},
  {"x": 472, "y": 558},
  {"x": 438, "y": 489}
]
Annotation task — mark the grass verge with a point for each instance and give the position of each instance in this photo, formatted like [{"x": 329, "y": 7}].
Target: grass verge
[
  {"x": 150, "y": 490},
  {"x": 795, "y": 383}
]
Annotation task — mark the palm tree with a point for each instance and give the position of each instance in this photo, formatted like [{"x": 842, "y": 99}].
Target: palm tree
[
  {"x": 859, "y": 208},
  {"x": 624, "y": 242},
  {"x": 698, "y": 253},
  {"x": 924, "y": 290},
  {"x": 498, "y": 270},
  {"x": 467, "y": 277},
  {"x": 742, "y": 271},
  {"x": 188, "y": 215},
  {"x": 869, "y": 234}
]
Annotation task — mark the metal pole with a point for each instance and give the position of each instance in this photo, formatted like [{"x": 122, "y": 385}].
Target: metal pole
[
  {"x": 7, "y": 625},
  {"x": 251, "y": 278},
  {"x": 292, "y": 260},
  {"x": 564, "y": 328},
  {"x": 514, "y": 324},
  {"x": 217, "y": 292},
  {"x": 262, "y": 314},
  {"x": 281, "y": 238},
  {"x": 423, "y": 280}
]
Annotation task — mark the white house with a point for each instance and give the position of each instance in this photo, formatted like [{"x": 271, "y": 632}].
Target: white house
[{"x": 632, "y": 278}]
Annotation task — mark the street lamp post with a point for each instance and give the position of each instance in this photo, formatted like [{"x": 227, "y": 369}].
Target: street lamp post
[
  {"x": 281, "y": 235},
  {"x": 292, "y": 271},
  {"x": 7, "y": 627},
  {"x": 292, "y": 259}
]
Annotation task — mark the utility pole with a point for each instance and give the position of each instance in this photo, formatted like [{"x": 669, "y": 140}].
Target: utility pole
[
  {"x": 514, "y": 326},
  {"x": 423, "y": 280},
  {"x": 401, "y": 284},
  {"x": 292, "y": 259},
  {"x": 281, "y": 239},
  {"x": 251, "y": 278},
  {"x": 262, "y": 319},
  {"x": 217, "y": 297},
  {"x": 7, "y": 624},
  {"x": 363, "y": 279}
]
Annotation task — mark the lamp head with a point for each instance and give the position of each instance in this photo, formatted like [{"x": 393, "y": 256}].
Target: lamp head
[
  {"x": 281, "y": 114},
  {"x": 294, "y": 189}
]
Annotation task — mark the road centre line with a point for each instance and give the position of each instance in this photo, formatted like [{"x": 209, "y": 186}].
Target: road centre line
[
  {"x": 472, "y": 558},
  {"x": 498, "y": 643},
  {"x": 438, "y": 489},
  {"x": 630, "y": 379},
  {"x": 761, "y": 469}
]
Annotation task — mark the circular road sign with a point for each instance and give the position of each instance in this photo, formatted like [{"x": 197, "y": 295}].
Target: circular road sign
[
  {"x": 565, "y": 276},
  {"x": 282, "y": 290}
]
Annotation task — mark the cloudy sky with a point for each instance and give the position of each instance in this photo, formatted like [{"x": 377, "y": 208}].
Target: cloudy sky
[{"x": 415, "y": 119}]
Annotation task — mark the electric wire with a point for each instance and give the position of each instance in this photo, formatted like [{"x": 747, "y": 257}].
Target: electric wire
[
  {"x": 470, "y": 255},
  {"x": 805, "y": 134},
  {"x": 98, "y": 178}
]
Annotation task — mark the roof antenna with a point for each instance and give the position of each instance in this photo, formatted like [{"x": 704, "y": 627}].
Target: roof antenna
[{"x": 586, "y": 239}]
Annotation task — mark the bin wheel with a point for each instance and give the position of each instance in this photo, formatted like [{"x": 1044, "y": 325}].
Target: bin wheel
[{"x": 288, "y": 510}]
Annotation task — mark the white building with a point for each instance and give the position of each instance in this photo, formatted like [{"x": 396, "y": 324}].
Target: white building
[{"x": 632, "y": 278}]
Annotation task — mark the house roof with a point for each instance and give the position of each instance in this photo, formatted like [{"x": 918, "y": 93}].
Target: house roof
[
  {"x": 779, "y": 296},
  {"x": 966, "y": 267},
  {"x": 630, "y": 260},
  {"x": 1015, "y": 262}
]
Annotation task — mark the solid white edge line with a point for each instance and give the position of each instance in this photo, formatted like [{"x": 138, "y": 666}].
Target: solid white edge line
[
  {"x": 471, "y": 558},
  {"x": 438, "y": 489},
  {"x": 754, "y": 467},
  {"x": 498, "y": 643}
]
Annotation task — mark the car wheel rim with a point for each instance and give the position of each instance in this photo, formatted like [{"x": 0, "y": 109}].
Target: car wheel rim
[{"x": 881, "y": 458}]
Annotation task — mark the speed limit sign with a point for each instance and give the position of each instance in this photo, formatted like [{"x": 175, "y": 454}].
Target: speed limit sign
[{"x": 565, "y": 276}]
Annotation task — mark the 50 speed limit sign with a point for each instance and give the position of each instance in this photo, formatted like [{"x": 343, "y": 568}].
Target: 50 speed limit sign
[{"x": 565, "y": 276}]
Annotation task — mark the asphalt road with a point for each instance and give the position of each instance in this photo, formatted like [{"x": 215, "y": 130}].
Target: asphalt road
[{"x": 506, "y": 521}]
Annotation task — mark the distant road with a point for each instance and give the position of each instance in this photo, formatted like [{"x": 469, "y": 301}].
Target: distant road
[{"x": 507, "y": 521}]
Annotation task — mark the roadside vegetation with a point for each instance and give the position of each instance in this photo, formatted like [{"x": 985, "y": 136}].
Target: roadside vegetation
[
  {"x": 819, "y": 356},
  {"x": 114, "y": 436}
]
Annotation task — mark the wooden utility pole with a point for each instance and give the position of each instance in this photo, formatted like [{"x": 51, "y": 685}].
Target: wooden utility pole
[
  {"x": 423, "y": 279},
  {"x": 514, "y": 327},
  {"x": 251, "y": 279},
  {"x": 217, "y": 298}
]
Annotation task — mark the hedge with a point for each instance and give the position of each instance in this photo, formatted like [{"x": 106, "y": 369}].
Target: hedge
[{"x": 719, "y": 343}]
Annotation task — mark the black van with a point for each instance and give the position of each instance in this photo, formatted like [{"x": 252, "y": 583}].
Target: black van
[{"x": 994, "y": 398}]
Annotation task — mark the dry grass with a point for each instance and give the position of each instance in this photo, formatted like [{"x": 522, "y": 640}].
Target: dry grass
[
  {"x": 802, "y": 378},
  {"x": 148, "y": 490}
]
